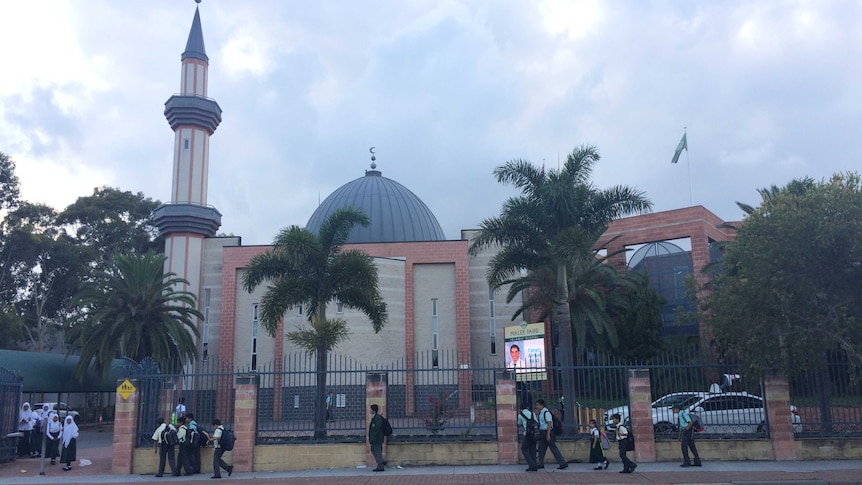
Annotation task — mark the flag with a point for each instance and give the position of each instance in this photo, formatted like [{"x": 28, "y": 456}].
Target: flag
[{"x": 683, "y": 145}]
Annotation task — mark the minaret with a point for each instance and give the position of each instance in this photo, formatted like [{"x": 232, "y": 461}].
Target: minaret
[{"x": 187, "y": 220}]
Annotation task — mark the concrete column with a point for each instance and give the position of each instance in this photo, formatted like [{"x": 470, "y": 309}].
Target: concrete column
[
  {"x": 777, "y": 395},
  {"x": 507, "y": 420},
  {"x": 125, "y": 430},
  {"x": 640, "y": 412},
  {"x": 376, "y": 387},
  {"x": 245, "y": 421}
]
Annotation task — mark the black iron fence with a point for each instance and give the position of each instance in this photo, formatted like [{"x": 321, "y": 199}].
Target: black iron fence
[
  {"x": 829, "y": 400},
  {"x": 10, "y": 404}
]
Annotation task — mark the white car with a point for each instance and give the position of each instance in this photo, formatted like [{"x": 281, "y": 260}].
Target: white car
[
  {"x": 62, "y": 409},
  {"x": 720, "y": 413}
]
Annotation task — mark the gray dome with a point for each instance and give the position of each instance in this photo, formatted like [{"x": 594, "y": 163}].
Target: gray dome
[{"x": 396, "y": 214}]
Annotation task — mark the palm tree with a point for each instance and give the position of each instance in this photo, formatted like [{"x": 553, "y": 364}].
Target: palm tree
[
  {"x": 551, "y": 226},
  {"x": 313, "y": 270},
  {"x": 133, "y": 309}
]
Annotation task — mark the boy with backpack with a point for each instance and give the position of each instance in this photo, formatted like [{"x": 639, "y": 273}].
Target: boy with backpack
[
  {"x": 548, "y": 437},
  {"x": 219, "y": 448},
  {"x": 527, "y": 419},
  {"x": 164, "y": 445},
  {"x": 625, "y": 444},
  {"x": 377, "y": 432},
  {"x": 686, "y": 437}
]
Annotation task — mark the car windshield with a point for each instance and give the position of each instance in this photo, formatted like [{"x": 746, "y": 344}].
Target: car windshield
[{"x": 684, "y": 400}]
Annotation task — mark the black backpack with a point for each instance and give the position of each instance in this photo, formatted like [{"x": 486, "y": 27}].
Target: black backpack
[
  {"x": 534, "y": 433},
  {"x": 169, "y": 436},
  {"x": 227, "y": 440},
  {"x": 557, "y": 424},
  {"x": 192, "y": 438},
  {"x": 386, "y": 427},
  {"x": 630, "y": 440}
]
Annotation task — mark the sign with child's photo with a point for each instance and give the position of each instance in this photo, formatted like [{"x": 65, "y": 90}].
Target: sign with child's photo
[{"x": 525, "y": 351}]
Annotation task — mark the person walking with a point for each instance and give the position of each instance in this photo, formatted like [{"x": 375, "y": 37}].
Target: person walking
[
  {"x": 330, "y": 403},
  {"x": 69, "y": 435},
  {"x": 376, "y": 438},
  {"x": 528, "y": 444},
  {"x": 218, "y": 451},
  {"x": 686, "y": 437},
  {"x": 53, "y": 433},
  {"x": 39, "y": 430},
  {"x": 548, "y": 439},
  {"x": 623, "y": 443},
  {"x": 597, "y": 451},
  {"x": 165, "y": 450},
  {"x": 184, "y": 461}
]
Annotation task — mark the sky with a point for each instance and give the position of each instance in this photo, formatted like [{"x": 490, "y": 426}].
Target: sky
[{"x": 767, "y": 91}]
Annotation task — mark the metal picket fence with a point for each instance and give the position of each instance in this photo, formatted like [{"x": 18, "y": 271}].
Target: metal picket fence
[
  {"x": 829, "y": 400},
  {"x": 10, "y": 402}
]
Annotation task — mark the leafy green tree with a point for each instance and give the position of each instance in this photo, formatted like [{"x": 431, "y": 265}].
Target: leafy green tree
[
  {"x": 551, "y": 225},
  {"x": 133, "y": 309},
  {"x": 791, "y": 280},
  {"x": 312, "y": 270},
  {"x": 113, "y": 222},
  {"x": 9, "y": 185},
  {"x": 636, "y": 316}
]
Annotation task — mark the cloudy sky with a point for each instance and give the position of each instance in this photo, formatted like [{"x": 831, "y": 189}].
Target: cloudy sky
[{"x": 446, "y": 91}]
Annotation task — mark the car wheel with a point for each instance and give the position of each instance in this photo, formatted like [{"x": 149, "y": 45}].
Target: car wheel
[{"x": 664, "y": 429}]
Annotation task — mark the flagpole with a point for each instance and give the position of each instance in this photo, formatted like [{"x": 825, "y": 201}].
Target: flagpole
[{"x": 688, "y": 166}]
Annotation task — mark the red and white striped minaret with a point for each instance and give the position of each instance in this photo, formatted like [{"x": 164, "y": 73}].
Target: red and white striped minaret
[{"x": 187, "y": 220}]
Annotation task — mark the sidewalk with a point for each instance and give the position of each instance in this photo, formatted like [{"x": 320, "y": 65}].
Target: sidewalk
[{"x": 96, "y": 448}]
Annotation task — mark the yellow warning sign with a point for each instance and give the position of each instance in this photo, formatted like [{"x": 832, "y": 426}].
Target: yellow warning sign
[{"x": 126, "y": 389}]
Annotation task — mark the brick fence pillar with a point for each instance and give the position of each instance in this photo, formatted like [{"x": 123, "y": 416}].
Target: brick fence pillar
[
  {"x": 376, "y": 387},
  {"x": 245, "y": 421},
  {"x": 776, "y": 391},
  {"x": 507, "y": 420},
  {"x": 125, "y": 430},
  {"x": 640, "y": 412}
]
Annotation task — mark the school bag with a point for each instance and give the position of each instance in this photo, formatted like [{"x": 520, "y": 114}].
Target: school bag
[
  {"x": 534, "y": 433},
  {"x": 386, "y": 427},
  {"x": 695, "y": 422},
  {"x": 192, "y": 438},
  {"x": 228, "y": 439},
  {"x": 169, "y": 436},
  {"x": 606, "y": 444},
  {"x": 558, "y": 425}
]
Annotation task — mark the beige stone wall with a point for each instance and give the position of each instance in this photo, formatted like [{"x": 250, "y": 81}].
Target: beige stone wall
[
  {"x": 308, "y": 457},
  {"x": 434, "y": 281},
  {"x": 829, "y": 449},
  {"x": 212, "y": 279}
]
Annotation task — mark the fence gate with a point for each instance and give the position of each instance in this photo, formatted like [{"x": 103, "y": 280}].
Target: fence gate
[{"x": 11, "y": 388}]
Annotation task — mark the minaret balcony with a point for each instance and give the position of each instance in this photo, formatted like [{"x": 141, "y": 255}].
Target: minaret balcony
[
  {"x": 189, "y": 109},
  {"x": 184, "y": 217}
]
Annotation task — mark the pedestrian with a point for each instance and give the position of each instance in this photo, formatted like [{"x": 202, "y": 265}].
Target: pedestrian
[
  {"x": 528, "y": 444},
  {"x": 376, "y": 438},
  {"x": 330, "y": 401},
  {"x": 53, "y": 433},
  {"x": 218, "y": 462},
  {"x": 26, "y": 422},
  {"x": 548, "y": 437},
  {"x": 623, "y": 443},
  {"x": 165, "y": 450},
  {"x": 597, "y": 451},
  {"x": 184, "y": 461},
  {"x": 195, "y": 448},
  {"x": 69, "y": 450},
  {"x": 686, "y": 437},
  {"x": 39, "y": 430},
  {"x": 179, "y": 412}
]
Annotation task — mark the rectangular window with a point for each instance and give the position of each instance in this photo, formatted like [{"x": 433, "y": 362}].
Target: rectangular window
[
  {"x": 492, "y": 321},
  {"x": 339, "y": 307},
  {"x": 186, "y": 144},
  {"x": 205, "y": 337},
  {"x": 435, "y": 333},
  {"x": 296, "y": 401},
  {"x": 299, "y": 310}
]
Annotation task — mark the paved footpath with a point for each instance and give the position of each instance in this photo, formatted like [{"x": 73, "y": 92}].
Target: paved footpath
[{"x": 95, "y": 448}]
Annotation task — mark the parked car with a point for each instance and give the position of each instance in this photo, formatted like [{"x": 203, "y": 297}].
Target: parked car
[
  {"x": 720, "y": 413},
  {"x": 62, "y": 409}
]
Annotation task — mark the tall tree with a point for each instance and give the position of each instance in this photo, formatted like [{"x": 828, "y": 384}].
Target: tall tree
[
  {"x": 9, "y": 186},
  {"x": 637, "y": 320},
  {"x": 791, "y": 280},
  {"x": 133, "y": 309},
  {"x": 312, "y": 270},
  {"x": 550, "y": 225}
]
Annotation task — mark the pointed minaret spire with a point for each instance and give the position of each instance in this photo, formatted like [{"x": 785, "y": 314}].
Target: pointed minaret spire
[{"x": 195, "y": 45}]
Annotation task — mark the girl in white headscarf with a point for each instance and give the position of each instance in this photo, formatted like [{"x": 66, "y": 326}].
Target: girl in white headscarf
[
  {"x": 70, "y": 443},
  {"x": 26, "y": 421},
  {"x": 39, "y": 429},
  {"x": 53, "y": 432}
]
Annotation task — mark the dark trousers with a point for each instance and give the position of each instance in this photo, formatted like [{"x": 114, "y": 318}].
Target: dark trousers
[
  {"x": 196, "y": 459},
  {"x": 544, "y": 444},
  {"x": 627, "y": 463},
  {"x": 377, "y": 451},
  {"x": 184, "y": 460},
  {"x": 166, "y": 451},
  {"x": 528, "y": 449},
  {"x": 688, "y": 442},
  {"x": 24, "y": 443},
  {"x": 218, "y": 463}
]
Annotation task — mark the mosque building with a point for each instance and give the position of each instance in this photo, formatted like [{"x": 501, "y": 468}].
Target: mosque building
[{"x": 436, "y": 292}]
